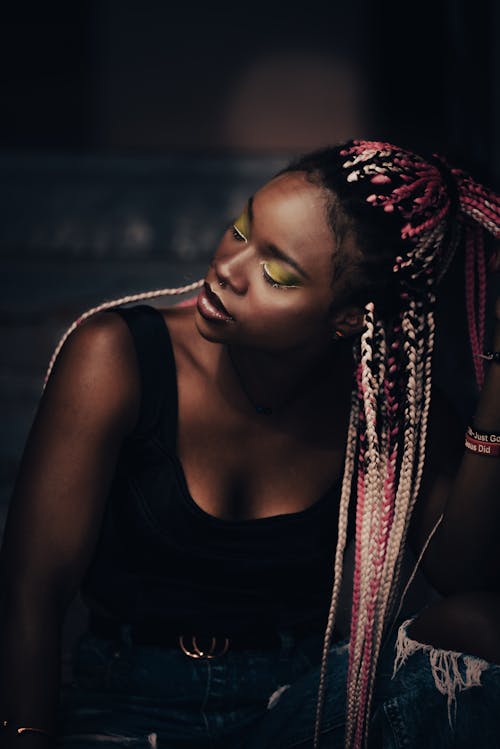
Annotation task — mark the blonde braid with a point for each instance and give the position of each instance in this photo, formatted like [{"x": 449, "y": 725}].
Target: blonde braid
[
  {"x": 403, "y": 496},
  {"x": 345, "y": 498},
  {"x": 369, "y": 510},
  {"x": 368, "y": 625},
  {"x": 109, "y": 305},
  {"x": 409, "y": 215},
  {"x": 392, "y": 578}
]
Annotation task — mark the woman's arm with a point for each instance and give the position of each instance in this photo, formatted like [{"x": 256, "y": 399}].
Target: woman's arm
[
  {"x": 464, "y": 554},
  {"x": 91, "y": 402}
]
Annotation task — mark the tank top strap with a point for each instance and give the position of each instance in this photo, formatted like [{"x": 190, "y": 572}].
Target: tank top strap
[{"x": 156, "y": 361}]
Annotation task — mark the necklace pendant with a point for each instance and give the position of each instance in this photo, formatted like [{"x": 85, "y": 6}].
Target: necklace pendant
[{"x": 264, "y": 410}]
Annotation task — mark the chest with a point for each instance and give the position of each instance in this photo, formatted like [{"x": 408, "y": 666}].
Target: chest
[{"x": 238, "y": 468}]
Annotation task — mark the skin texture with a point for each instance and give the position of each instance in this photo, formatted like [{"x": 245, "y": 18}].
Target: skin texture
[
  {"x": 238, "y": 464},
  {"x": 294, "y": 325},
  {"x": 290, "y": 213}
]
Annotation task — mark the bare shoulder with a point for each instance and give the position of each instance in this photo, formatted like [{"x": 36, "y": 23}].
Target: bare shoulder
[
  {"x": 96, "y": 342},
  {"x": 106, "y": 329},
  {"x": 97, "y": 368}
]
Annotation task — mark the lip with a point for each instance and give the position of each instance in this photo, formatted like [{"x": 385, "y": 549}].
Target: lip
[{"x": 210, "y": 306}]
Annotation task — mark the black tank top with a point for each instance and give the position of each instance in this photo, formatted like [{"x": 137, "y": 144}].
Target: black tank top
[{"x": 161, "y": 557}]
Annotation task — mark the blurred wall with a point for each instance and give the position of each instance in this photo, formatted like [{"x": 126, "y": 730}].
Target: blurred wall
[
  {"x": 131, "y": 77},
  {"x": 131, "y": 133}
]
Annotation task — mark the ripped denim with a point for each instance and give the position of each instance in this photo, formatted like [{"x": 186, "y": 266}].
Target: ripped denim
[
  {"x": 431, "y": 698},
  {"x": 151, "y": 698}
]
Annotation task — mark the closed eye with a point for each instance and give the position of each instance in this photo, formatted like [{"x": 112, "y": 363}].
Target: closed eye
[
  {"x": 237, "y": 234},
  {"x": 279, "y": 276},
  {"x": 241, "y": 227}
]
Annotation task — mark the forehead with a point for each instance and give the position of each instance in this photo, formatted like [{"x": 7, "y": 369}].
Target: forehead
[{"x": 291, "y": 212}]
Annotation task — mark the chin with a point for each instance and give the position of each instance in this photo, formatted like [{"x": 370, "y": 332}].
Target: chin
[{"x": 209, "y": 332}]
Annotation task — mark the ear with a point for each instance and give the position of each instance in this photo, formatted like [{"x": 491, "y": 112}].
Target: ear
[{"x": 348, "y": 322}]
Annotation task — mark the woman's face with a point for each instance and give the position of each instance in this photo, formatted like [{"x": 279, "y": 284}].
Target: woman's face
[{"x": 269, "y": 284}]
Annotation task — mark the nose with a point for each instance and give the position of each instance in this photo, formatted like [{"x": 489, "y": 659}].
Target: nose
[{"x": 231, "y": 271}]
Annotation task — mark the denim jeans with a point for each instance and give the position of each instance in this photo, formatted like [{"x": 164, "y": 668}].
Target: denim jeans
[{"x": 125, "y": 695}]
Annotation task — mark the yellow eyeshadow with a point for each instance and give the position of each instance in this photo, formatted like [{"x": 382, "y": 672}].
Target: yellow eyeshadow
[
  {"x": 280, "y": 274},
  {"x": 242, "y": 225}
]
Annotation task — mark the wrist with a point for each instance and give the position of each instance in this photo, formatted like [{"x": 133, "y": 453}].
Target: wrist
[{"x": 482, "y": 443}]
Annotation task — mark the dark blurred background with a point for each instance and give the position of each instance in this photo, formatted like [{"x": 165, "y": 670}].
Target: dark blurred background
[{"x": 130, "y": 133}]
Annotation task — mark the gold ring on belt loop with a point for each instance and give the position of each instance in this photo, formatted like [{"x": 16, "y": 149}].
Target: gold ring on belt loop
[{"x": 201, "y": 654}]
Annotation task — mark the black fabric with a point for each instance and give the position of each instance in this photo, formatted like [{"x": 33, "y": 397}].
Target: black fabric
[
  {"x": 161, "y": 557},
  {"x": 157, "y": 370},
  {"x": 157, "y": 633}
]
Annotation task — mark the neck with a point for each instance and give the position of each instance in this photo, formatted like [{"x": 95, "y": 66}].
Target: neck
[{"x": 273, "y": 381}]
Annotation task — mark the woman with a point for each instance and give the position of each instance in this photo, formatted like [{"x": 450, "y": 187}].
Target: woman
[{"x": 199, "y": 473}]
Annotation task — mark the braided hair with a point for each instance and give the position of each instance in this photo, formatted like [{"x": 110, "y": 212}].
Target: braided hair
[
  {"x": 408, "y": 216},
  {"x": 111, "y": 304}
]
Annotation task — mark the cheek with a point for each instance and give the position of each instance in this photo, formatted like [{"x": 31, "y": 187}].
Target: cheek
[
  {"x": 302, "y": 306},
  {"x": 285, "y": 323}
]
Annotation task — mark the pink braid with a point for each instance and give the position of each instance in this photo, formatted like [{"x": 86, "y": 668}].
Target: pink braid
[
  {"x": 420, "y": 193},
  {"x": 481, "y": 277},
  {"x": 474, "y": 257}
]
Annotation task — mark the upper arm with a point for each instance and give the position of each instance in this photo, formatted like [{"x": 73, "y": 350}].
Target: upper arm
[
  {"x": 90, "y": 404},
  {"x": 444, "y": 451}
]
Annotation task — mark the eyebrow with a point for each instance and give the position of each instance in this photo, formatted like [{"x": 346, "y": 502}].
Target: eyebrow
[{"x": 280, "y": 254}]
